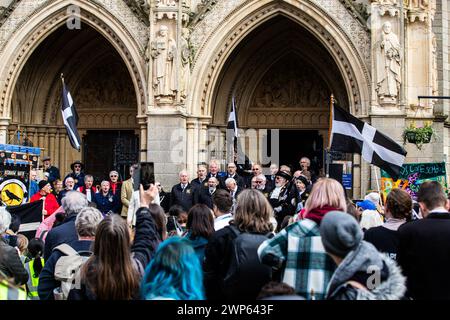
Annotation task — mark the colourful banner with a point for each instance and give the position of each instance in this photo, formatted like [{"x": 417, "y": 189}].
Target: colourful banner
[{"x": 412, "y": 175}]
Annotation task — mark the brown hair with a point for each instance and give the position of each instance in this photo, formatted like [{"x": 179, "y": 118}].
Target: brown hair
[
  {"x": 432, "y": 195},
  {"x": 399, "y": 204},
  {"x": 109, "y": 272},
  {"x": 222, "y": 200},
  {"x": 22, "y": 243},
  {"x": 253, "y": 212},
  {"x": 200, "y": 222},
  {"x": 159, "y": 216}
]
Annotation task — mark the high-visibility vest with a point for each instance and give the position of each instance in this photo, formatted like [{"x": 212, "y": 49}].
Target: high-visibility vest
[
  {"x": 7, "y": 292},
  {"x": 33, "y": 280}
]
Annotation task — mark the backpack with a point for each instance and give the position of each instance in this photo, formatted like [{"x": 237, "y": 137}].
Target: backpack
[
  {"x": 246, "y": 274},
  {"x": 67, "y": 270}
]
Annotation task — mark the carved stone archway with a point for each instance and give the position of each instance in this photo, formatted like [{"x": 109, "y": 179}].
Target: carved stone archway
[
  {"x": 42, "y": 22},
  {"x": 236, "y": 23},
  {"x": 20, "y": 46}
]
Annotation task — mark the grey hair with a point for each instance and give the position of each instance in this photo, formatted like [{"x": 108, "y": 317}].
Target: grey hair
[
  {"x": 88, "y": 176},
  {"x": 87, "y": 222},
  {"x": 5, "y": 220},
  {"x": 261, "y": 176},
  {"x": 73, "y": 202},
  {"x": 230, "y": 180}
]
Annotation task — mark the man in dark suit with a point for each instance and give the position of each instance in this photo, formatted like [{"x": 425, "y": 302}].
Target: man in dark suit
[
  {"x": 233, "y": 187},
  {"x": 182, "y": 194},
  {"x": 201, "y": 180},
  {"x": 424, "y": 246},
  {"x": 215, "y": 173},
  {"x": 231, "y": 169},
  {"x": 204, "y": 195},
  {"x": 270, "y": 183},
  {"x": 256, "y": 170}
]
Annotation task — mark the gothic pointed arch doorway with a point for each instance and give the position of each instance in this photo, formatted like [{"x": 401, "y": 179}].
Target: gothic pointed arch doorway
[
  {"x": 103, "y": 92},
  {"x": 282, "y": 78}
]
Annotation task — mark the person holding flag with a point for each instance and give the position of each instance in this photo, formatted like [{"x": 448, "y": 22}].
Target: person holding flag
[
  {"x": 45, "y": 193},
  {"x": 243, "y": 164}
]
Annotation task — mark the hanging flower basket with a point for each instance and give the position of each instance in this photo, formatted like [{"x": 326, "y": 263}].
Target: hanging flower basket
[{"x": 418, "y": 135}]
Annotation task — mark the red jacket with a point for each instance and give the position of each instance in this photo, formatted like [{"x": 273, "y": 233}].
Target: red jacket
[{"x": 50, "y": 202}]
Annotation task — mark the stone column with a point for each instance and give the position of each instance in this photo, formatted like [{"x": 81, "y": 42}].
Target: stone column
[
  {"x": 63, "y": 166},
  {"x": 51, "y": 149},
  {"x": 31, "y": 135},
  {"x": 167, "y": 146},
  {"x": 203, "y": 148},
  {"x": 143, "y": 138},
  {"x": 190, "y": 150},
  {"x": 41, "y": 136}
]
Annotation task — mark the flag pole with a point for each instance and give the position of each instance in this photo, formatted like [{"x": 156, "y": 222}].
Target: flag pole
[
  {"x": 327, "y": 151},
  {"x": 378, "y": 184}
]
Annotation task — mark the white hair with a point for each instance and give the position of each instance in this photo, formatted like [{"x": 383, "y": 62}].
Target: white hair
[
  {"x": 183, "y": 172},
  {"x": 5, "y": 220},
  {"x": 73, "y": 202},
  {"x": 261, "y": 176},
  {"x": 230, "y": 180},
  {"x": 87, "y": 221}
]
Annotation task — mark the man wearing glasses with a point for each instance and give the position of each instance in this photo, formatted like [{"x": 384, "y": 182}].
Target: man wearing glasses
[
  {"x": 77, "y": 174},
  {"x": 256, "y": 170}
]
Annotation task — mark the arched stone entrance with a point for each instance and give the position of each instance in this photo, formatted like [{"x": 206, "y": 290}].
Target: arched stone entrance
[
  {"x": 259, "y": 57},
  {"x": 104, "y": 69}
]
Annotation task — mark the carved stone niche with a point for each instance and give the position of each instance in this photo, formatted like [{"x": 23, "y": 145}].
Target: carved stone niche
[
  {"x": 384, "y": 7},
  {"x": 420, "y": 9}
]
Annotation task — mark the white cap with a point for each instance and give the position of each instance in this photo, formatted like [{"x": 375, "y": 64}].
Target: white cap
[{"x": 373, "y": 197}]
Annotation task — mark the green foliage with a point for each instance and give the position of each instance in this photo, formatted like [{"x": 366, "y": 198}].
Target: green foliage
[{"x": 418, "y": 135}]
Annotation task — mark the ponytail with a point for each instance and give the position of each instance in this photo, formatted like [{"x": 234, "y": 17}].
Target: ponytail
[{"x": 37, "y": 265}]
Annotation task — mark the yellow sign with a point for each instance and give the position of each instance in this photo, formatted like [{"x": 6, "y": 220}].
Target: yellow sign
[{"x": 12, "y": 192}]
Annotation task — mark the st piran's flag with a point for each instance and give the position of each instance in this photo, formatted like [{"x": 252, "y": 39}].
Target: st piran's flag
[
  {"x": 70, "y": 118},
  {"x": 349, "y": 134},
  {"x": 30, "y": 215},
  {"x": 242, "y": 161}
]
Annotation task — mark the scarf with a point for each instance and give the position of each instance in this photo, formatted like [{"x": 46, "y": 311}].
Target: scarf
[{"x": 317, "y": 214}]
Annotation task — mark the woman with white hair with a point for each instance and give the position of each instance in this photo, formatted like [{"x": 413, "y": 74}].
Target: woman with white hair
[
  {"x": 10, "y": 264},
  {"x": 86, "y": 224}
]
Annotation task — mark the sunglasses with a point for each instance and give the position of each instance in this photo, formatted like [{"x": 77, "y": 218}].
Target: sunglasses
[
  {"x": 77, "y": 166},
  {"x": 113, "y": 176},
  {"x": 258, "y": 182}
]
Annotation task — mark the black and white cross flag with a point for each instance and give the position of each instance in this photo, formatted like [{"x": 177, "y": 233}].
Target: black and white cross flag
[
  {"x": 70, "y": 117},
  {"x": 349, "y": 134},
  {"x": 232, "y": 120}
]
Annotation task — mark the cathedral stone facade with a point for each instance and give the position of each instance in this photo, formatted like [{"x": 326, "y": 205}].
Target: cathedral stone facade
[{"x": 166, "y": 72}]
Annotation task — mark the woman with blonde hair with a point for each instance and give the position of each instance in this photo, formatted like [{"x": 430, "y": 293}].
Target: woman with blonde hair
[
  {"x": 224, "y": 276},
  {"x": 311, "y": 273}
]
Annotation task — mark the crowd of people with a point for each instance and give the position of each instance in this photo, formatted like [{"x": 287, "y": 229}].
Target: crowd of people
[{"x": 227, "y": 236}]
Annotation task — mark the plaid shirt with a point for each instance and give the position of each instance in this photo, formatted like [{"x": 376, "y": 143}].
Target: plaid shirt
[{"x": 308, "y": 267}]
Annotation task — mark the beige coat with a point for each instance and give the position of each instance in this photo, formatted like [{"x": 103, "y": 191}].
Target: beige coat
[{"x": 125, "y": 196}]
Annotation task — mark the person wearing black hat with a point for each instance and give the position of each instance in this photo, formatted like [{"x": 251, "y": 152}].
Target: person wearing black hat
[
  {"x": 53, "y": 172},
  {"x": 301, "y": 191},
  {"x": 45, "y": 193},
  {"x": 283, "y": 201},
  {"x": 77, "y": 174}
]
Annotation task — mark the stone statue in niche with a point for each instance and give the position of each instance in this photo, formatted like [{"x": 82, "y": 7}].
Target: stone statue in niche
[
  {"x": 164, "y": 53},
  {"x": 186, "y": 60},
  {"x": 388, "y": 65}
]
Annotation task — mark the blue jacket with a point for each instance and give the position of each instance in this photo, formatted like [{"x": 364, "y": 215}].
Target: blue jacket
[
  {"x": 64, "y": 233},
  {"x": 34, "y": 188},
  {"x": 47, "y": 280},
  {"x": 108, "y": 203}
]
